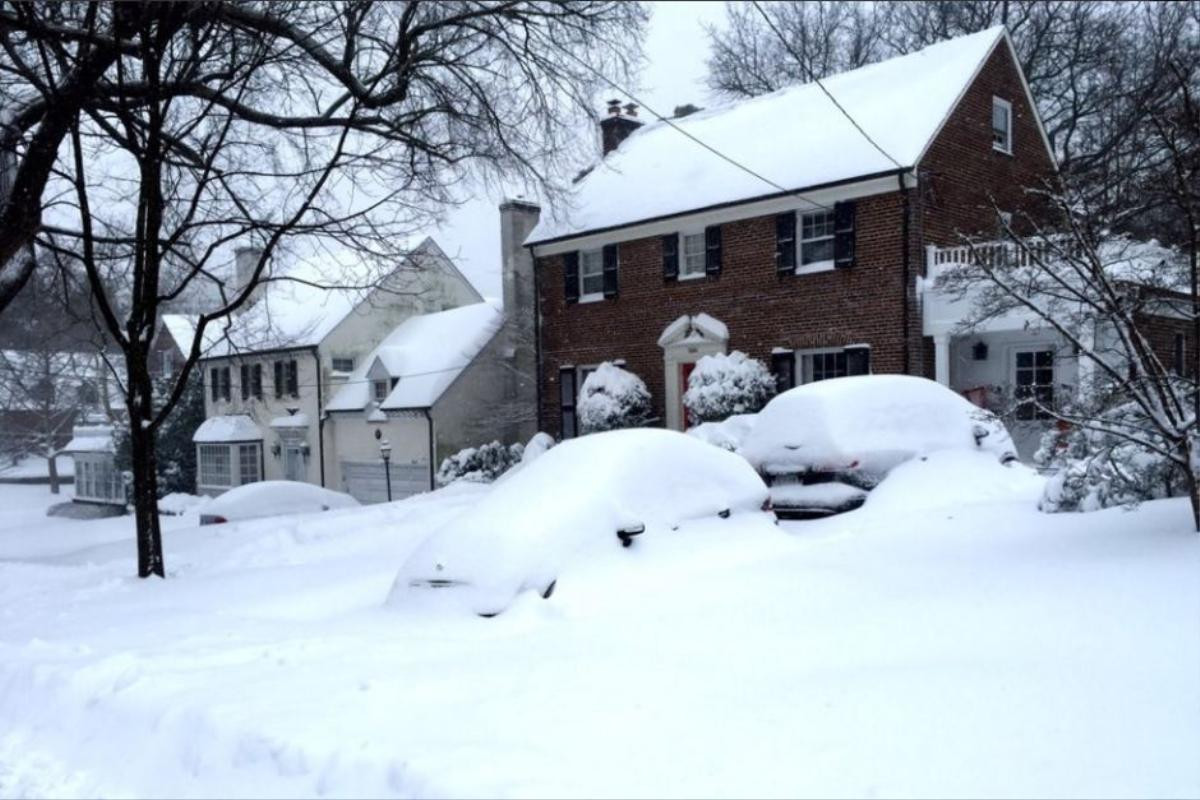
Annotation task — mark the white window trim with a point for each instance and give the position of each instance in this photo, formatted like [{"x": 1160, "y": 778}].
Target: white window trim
[
  {"x": 1007, "y": 106},
  {"x": 816, "y": 266},
  {"x": 798, "y": 369},
  {"x": 591, "y": 297},
  {"x": 683, "y": 254}
]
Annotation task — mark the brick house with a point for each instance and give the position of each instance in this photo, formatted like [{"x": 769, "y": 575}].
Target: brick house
[{"x": 813, "y": 265}]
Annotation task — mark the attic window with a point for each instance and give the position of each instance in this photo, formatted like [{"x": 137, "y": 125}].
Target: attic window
[
  {"x": 1002, "y": 125},
  {"x": 380, "y": 390}
]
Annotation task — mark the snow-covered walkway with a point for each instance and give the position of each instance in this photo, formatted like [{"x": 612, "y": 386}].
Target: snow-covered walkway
[{"x": 964, "y": 646}]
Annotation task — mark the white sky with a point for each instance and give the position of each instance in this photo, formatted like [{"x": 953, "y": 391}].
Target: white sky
[{"x": 676, "y": 48}]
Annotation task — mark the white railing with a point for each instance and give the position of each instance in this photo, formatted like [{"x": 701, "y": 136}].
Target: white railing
[{"x": 1001, "y": 253}]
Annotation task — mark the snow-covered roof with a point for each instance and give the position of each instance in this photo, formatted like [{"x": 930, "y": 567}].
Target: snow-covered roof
[
  {"x": 298, "y": 420},
  {"x": 795, "y": 137},
  {"x": 426, "y": 353},
  {"x": 297, "y": 309},
  {"x": 230, "y": 428},
  {"x": 90, "y": 439}
]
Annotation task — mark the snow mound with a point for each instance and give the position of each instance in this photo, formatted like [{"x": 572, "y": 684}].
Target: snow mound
[
  {"x": 612, "y": 398},
  {"x": 833, "y": 495},
  {"x": 177, "y": 503},
  {"x": 727, "y": 434},
  {"x": 271, "y": 498},
  {"x": 951, "y": 479},
  {"x": 576, "y": 497},
  {"x": 868, "y": 424}
]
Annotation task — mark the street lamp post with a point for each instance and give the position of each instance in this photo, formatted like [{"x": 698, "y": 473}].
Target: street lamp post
[{"x": 385, "y": 450}]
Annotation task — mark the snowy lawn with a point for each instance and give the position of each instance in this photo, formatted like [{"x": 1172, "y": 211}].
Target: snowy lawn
[{"x": 944, "y": 640}]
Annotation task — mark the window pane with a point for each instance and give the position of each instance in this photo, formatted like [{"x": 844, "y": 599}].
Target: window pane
[
  {"x": 215, "y": 465},
  {"x": 1024, "y": 360},
  {"x": 814, "y": 226},
  {"x": 818, "y": 250},
  {"x": 248, "y": 463},
  {"x": 693, "y": 254}
]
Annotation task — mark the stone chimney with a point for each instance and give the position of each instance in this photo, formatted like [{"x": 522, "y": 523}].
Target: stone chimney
[
  {"x": 245, "y": 259},
  {"x": 517, "y": 219},
  {"x": 617, "y": 125}
]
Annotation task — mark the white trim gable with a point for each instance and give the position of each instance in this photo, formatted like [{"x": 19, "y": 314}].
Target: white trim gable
[{"x": 1037, "y": 117}]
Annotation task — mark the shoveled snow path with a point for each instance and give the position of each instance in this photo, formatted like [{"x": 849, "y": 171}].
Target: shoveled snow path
[{"x": 987, "y": 650}]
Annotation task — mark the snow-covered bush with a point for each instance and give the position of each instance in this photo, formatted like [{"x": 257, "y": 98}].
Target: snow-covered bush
[
  {"x": 1095, "y": 469},
  {"x": 723, "y": 385},
  {"x": 481, "y": 464},
  {"x": 612, "y": 398},
  {"x": 538, "y": 444}
]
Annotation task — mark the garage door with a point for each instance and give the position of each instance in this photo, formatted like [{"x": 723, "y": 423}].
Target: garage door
[{"x": 364, "y": 480}]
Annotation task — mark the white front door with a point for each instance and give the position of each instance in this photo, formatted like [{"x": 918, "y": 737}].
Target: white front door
[{"x": 293, "y": 463}]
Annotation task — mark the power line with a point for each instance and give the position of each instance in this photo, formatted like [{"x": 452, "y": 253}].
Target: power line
[
  {"x": 799, "y": 61},
  {"x": 691, "y": 136}
]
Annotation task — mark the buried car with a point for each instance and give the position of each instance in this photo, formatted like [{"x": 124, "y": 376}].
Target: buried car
[
  {"x": 822, "y": 446},
  {"x": 601, "y": 491},
  {"x": 271, "y": 499}
]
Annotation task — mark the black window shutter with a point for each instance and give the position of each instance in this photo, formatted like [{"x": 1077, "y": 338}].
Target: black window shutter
[
  {"x": 858, "y": 360},
  {"x": 783, "y": 367},
  {"x": 571, "y": 277},
  {"x": 566, "y": 400},
  {"x": 712, "y": 250},
  {"x": 785, "y": 243},
  {"x": 843, "y": 234},
  {"x": 610, "y": 270},
  {"x": 278, "y": 379},
  {"x": 293, "y": 379},
  {"x": 670, "y": 250},
  {"x": 215, "y": 383},
  {"x": 245, "y": 376},
  {"x": 258, "y": 381}
]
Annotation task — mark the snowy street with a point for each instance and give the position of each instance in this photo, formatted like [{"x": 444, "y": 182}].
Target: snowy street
[{"x": 948, "y": 643}]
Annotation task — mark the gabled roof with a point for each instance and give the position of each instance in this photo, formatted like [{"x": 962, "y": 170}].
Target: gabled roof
[
  {"x": 297, "y": 310},
  {"x": 426, "y": 353},
  {"x": 795, "y": 137}
]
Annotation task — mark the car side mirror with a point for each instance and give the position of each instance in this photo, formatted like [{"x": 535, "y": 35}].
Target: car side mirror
[
  {"x": 627, "y": 533},
  {"x": 980, "y": 433}
]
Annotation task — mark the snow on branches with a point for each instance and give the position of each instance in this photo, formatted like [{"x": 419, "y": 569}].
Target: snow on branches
[
  {"x": 613, "y": 398},
  {"x": 722, "y": 385}
]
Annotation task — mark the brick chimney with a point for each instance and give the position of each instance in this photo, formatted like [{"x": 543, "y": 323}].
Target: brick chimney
[
  {"x": 617, "y": 125},
  {"x": 245, "y": 259}
]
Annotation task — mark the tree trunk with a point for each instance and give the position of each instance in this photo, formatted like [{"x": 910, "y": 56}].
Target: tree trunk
[
  {"x": 142, "y": 439},
  {"x": 52, "y": 467},
  {"x": 1193, "y": 481}
]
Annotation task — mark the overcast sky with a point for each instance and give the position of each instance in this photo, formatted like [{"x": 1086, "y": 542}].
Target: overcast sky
[{"x": 676, "y": 48}]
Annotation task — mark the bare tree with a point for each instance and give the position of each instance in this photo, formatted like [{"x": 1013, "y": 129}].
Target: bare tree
[
  {"x": 150, "y": 139},
  {"x": 1128, "y": 309}
]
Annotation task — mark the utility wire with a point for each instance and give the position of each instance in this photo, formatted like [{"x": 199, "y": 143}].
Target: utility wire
[
  {"x": 812, "y": 77},
  {"x": 691, "y": 136}
]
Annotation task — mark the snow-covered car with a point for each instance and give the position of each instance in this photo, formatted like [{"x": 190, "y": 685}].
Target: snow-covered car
[
  {"x": 271, "y": 499},
  {"x": 822, "y": 446},
  {"x": 603, "y": 491}
]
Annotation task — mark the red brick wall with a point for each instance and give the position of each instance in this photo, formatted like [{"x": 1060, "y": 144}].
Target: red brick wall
[
  {"x": 762, "y": 310},
  {"x": 962, "y": 173},
  {"x": 863, "y": 304}
]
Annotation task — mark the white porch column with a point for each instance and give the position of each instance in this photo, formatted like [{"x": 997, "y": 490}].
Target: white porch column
[{"x": 941, "y": 358}]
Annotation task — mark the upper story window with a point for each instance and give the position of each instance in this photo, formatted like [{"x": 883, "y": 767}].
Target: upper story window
[
  {"x": 287, "y": 379},
  {"x": 343, "y": 363},
  {"x": 591, "y": 275},
  {"x": 816, "y": 238},
  {"x": 380, "y": 390},
  {"x": 1002, "y": 125},
  {"x": 692, "y": 263},
  {"x": 219, "y": 384},
  {"x": 251, "y": 375}
]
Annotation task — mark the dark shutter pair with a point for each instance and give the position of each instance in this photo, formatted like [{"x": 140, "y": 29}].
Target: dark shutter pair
[
  {"x": 843, "y": 234},
  {"x": 571, "y": 274},
  {"x": 785, "y": 243},
  {"x": 251, "y": 381},
  {"x": 221, "y": 389},
  {"x": 858, "y": 360},
  {"x": 287, "y": 379},
  {"x": 566, "y": 403},
  {"x": 712, "y": 253}
]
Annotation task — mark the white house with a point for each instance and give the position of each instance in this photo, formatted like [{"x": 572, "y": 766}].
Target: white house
[{"x": 297, "y": 386}]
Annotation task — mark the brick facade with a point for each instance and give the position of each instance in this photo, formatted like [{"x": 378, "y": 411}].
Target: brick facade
[{"x": 864, "y": 304}]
